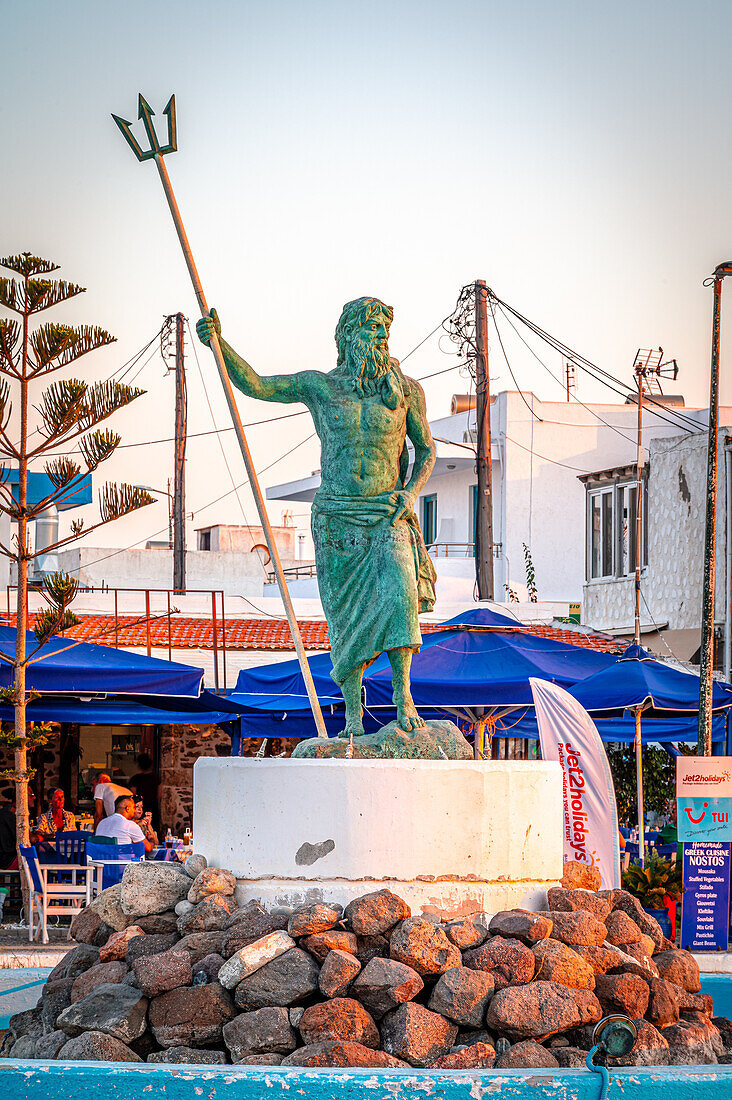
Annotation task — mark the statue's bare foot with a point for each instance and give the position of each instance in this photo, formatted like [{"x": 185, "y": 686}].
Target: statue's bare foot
[
  {"x": 407, "y": 717},
  {"x": 354, "y": 728}
]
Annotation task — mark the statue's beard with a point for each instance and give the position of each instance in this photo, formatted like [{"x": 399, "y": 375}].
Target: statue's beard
[{"x": 369, "y": 365}]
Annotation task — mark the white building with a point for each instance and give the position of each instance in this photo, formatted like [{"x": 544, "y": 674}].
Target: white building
[
  {"x": 673, "y": 552},
  {"x": 539, "y": 450}
]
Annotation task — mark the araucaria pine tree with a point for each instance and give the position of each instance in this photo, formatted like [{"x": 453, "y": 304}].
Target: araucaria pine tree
[{"x": 68, "y": 411}]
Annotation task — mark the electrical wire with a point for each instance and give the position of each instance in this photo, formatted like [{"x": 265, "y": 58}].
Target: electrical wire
[
  {"x": 598, "y": 373},
  {"x": 510, "y": 370}
]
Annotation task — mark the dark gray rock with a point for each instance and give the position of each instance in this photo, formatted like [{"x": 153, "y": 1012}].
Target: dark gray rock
[
  {"x": 152, "y": 944},
  {"x": 263, "y": 1031},
  {"x": 209, "y": 915},
  {"x": 81, "y": 958},
  {"x": 289, "y": 979},
  {"x": 114, "y": 1009},
  {"x": 49, "y": 1045},
  {"x": 188, "y": 1056},
  {"x": 95, "y": 1046},
  {"x": 384, "y": 984},
  {"x": 209, "y": 966},
  {"x": 463, "y": 995}
]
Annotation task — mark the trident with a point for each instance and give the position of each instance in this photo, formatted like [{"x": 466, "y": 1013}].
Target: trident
[{"x": 156, "y": 152}]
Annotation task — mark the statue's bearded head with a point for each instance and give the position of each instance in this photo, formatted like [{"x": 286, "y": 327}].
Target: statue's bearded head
[{"x": 361, "y": 336}]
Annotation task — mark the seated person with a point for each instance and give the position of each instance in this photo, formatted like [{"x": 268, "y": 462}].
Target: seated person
[
  {"x": 56, "y": 819},
  {"x": 105, "y": 794},
  {"x": 121, "y": 826},
  {"x": 144, "y": 820}
]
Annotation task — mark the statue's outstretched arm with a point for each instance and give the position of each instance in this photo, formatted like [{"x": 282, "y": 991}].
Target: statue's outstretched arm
[
  {"x": 418, "y": 431},
  {"x": 276, "y": 387}
]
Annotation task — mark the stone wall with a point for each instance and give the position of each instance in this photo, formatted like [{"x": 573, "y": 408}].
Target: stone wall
[{"x": 180, "y": 747}]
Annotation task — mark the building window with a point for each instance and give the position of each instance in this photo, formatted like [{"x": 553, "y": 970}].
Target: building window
[
  {"x": 611, "y": 530},
  {"x": 429, "y": 518},
  {"x": 204, "y": 540},
  {"x": 601, "y": 534}
]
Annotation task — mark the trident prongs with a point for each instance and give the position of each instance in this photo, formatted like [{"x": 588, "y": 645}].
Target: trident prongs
[{"x": 146, "y": 113}]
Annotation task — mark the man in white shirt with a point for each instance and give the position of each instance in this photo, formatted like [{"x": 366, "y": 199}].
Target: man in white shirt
[
  {"x": 121, "y": 826},
  {"x": 105, "y": 795}
]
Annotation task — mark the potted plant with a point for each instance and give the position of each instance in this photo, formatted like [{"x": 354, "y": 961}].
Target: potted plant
[{"x": 659, "y": 880}]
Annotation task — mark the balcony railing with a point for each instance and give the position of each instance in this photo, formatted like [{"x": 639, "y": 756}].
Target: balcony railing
[{"x": 459, "y": 549}]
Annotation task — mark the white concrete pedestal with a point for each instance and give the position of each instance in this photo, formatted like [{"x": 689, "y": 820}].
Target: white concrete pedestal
[{"x": 449, "y": 837}]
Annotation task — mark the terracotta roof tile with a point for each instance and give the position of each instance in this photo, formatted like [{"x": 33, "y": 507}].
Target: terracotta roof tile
[{"x": 269, "y": 634}]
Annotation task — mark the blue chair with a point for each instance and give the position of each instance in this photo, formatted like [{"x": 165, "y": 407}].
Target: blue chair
[
  {"x": 59, "y": 889},
  {"x": 113, "y": 861},
  {"x": 71, "y": 846}
]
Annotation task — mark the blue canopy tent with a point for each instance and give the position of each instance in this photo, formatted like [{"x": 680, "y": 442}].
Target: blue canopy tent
[
  {"x": 649, "y": 690},
  {"x": 479, "y": 660},
  {"x": 63, "y": 666}
]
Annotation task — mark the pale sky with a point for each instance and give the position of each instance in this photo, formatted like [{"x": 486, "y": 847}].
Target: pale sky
[{"x": 575, "y": 155}]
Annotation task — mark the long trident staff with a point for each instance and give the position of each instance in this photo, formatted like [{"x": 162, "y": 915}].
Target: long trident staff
[{"x": 156, "y": 152}]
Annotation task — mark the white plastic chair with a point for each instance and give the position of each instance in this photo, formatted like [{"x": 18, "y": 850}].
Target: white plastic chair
[{"x": 48, "y": 896}]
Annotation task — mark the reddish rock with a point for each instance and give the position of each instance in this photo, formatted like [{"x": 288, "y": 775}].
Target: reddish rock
[
  {"x": 477, "y": 1056},
  {"x": 156, "y": 974},
  {"x": 678, "y": 967},
  {"x": 527, "y": 1055},
  {"x": 265, "y": 1031},
  {"x": 636, "y": 961},
  {"x": 419, "y": 943},
  {"x": 691, "y": 1043},
  {"x": 211, "y": 881},
  {"x": 509, "y": 961},
  {"x": 570, "y": 1057},
  {"x": 569, "y": 901},
  {"x": 622, "y": 929},
  {"x": 647, "y": 924},
  {"x": 555, "y": 962},
  {"x": 417, "y": 1035},
  {"x": 663, "y": 1009},
  {"x": 340, "y": 1053},
  {"x": 337, "y": 972},
  {"x": 290, "y": 978},
  {"x": 336, "y": 940},
  {"x": 376, "y": 913},
  {"x": 116, "y": 945},
  {"x": 467, "y": 932},
  {"x": 540, "y": 1009},
  {"x": 341, "y": 1018},
  {"x": 85, "y": 926},
  {"x": 601, "y": 959},
  {"x": 462, "y": 995},
  {"x": 578, "y": 876},
  {"x": 192, "y": 1017},
  {"x": 626, "y": 993},
  {"x": 522, "y": 925},
  {"x": 109, "y": 972},
  {"x": 384, "y": 984},
  {"x": 577, "y": 928},
  {"x": 311, "y": 919}
]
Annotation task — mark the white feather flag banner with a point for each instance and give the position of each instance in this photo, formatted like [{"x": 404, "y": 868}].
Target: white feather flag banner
[{"x": 568, "y": 735}]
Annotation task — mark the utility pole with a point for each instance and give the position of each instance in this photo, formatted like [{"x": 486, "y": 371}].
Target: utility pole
[
  {"x": 704, "y": 742},
  {"x": 484, "y": 509},
  {"x": 179, "y": 486}
]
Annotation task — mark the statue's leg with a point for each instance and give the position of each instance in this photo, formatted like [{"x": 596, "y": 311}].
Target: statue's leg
[
  {"x": 407, "y": 717},
  {"x": 351, "y": 689}
]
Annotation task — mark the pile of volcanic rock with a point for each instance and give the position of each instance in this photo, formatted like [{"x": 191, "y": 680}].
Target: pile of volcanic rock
[{"x": 169, "y": 968}]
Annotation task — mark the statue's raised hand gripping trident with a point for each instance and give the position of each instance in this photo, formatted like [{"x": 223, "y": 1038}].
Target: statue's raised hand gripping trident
[{"x": 374, "y": 573}]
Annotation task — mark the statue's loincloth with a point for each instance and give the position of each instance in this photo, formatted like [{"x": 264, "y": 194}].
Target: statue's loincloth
[{"x": 374, "y": 576}]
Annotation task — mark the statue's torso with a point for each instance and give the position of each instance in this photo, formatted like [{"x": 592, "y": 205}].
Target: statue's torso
[{"x": 361, "y": 440}]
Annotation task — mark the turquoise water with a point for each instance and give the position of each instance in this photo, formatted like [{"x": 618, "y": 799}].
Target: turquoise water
[
  {"x": 720, "y": 987},
  {"x": 20, "y": 990}
]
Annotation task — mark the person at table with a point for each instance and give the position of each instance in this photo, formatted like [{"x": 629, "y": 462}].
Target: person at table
[
  {"x": 121, "y": 825},
  {"x": 106, "y": 794},
  {"x": 146, "y": 784},
  {"x": 144, "y": 820},
  {"x": 56, "y": 819}
]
